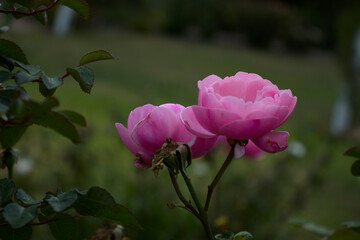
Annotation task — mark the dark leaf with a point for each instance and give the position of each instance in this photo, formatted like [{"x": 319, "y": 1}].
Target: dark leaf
[
  {"x": 44, "y": 91},
  {"x": 345, "y": 234},
  {"x": 4, "y": 104},
  {"x": 243, "y": 236},
  {"x": 25, "y": 198},
  {"x": 355, "y": 168},
  {"x": 59, "y": 123},
  {"x": 51, "y": 83},
  {"x": 74, "y": 117},
  {"x": 10, "y": 136},
  {"x": 353, "y": 152},
  {"x": 49, "y": 103},
  {"x": 42, "y": 18},
  {"x": 4, "y": 76},
  {"x": 95, "y": 56},
  {"x": 11, "y": 50},
  {"x": 10, "y": 92},
  {"x": 84, "y": 76},
  {"x": 8, "y": 233},
  {"x": 67, "y": 228},
  {"x": 99, "y": 203},
  {"x": 224, "y": 236},
  {"x": 26, "y": 3},
  {"x": 62, "y": 201},
  {"x": 7, "y": 188},
  {"x": 31, "y": 69},
  {"x": 7, "y": 63},
  {"x": 10, "y": 157},
  {"x": 17, "y": 110},
  {"x": 18, "y": 216},
  {"x": 79, "y": 6}
]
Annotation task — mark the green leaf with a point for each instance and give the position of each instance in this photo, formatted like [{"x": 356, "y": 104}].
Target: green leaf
[
  {"x": 64, "y": 229},
  {"x": 4, "y": 104},
  {"x": 7, "y": 63},
  {"x": 84, "y": 76},
  {"x": 18, "y": 216},
  {"x": 74, "y": 117},
  {"x": 31, "y": 69},
  {"x": 44, "y": 91},
  {"x": 51, "y": 83},
  {"x": 10, "y": 157},
  {"x": 49, "y": 103},
  {"x": 25, "y": 198},
  {"x": 94, "y": 56},
  {"x": 355, "y": 168},
  {"x": 79, "y": 6},
  {"x": 10, "y": 136},
  {"x": 11, "y": 50},
  {"x": 26, "y": 3},
  {"x": 7, "y": 187},
  {"x": 4, "y": 76},
  {"x": 8, "y": 233},
  {"x": 353, "y": 152},
  {"x": 59, "y": 123},
  {"x": 243, "y": 236},
  {"x": 225, "y": 236},
  {"x": 99, "y": 203},
  {"x": 62, "y": 201},
  {"x": 345, "y": 234},
  {"x": 42, "y": 18}
]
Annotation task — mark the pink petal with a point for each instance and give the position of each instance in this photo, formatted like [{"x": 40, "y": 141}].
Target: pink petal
[
  {"x": 207, "y": 98},
  {"x": 275, "y": 141},
  {"x": 139, "y": 114},
  {"x": 152, "y": 132},
  {"x": 203, "y": 146},
  {"x": 252, "y": 151},
  {"x": 277, "y": 111},
  {"x": 192, "y": 124},
  {"x": 249, "y": 128},
  {"x": 182, "y": 135},
  {"x": 213, "y": 119},
  {"x": 291, "y": 109},
  {"x": 126, "y": 138},
  {"x": 208, "y": 81},
  {"x": 234, "y": 104},
  {"x": 254, "y": 86},
  {"x": 144, "y": 159},
  {"x": 247, "y": 77},
  {"x": 230, "y": 86}
]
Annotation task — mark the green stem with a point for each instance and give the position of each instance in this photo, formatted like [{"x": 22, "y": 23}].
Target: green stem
[
  {"x": 203, "y": 215},
  {"x": 212, "y": 186}
]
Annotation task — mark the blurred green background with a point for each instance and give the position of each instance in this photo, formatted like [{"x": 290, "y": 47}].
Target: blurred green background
[{"x": 163, "y": 49}]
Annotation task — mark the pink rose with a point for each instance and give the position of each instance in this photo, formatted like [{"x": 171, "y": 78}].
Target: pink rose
[
  {"x": 149, "y": 126},
  {"x": 241, "y": 107}
]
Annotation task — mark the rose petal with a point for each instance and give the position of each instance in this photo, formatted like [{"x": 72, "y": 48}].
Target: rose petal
[
  {"x": 291, "y": 109},
  {"x": 202, "y": 146},
  {"x": 192, "y": 124},
  {"x": 209, "y": 99},
  {"x": 247, "y": 77},
  {"x": 230, "y": 86},
  {"x": 249, "y": 128},
  {"x": 144, "y": 160},
  {"x": 152, "y": 132},
  {"x": 208, "y": 81},
  {"x": 126, "y": 138},
  {"x": 182, "y": 135},
  {"x": 214, "y": 119},
  {"x": 139, "y": 114},
  {"x": 275, "y": 141},
  {"x": 252, "y": 151}
]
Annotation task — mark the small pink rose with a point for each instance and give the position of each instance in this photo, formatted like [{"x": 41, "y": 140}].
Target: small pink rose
[
  {"x": 149, "y": 126},
  {"x": 244, "y": 106}
]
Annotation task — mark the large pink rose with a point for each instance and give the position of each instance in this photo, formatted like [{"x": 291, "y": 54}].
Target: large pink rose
[
  {"x": 241, "y": 107},
  {"x": 149, "y": 126}
]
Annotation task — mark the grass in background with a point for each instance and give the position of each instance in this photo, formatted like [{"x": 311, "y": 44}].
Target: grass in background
[{"x": 157, "y": 70}]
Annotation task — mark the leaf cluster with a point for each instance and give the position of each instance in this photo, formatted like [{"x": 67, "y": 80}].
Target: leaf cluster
[{"x": 61, "y": 211}]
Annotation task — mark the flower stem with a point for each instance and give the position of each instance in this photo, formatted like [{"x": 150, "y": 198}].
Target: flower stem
[
  {"x": 221, "y": 171},
  {"x": 203, "y": 214}
]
